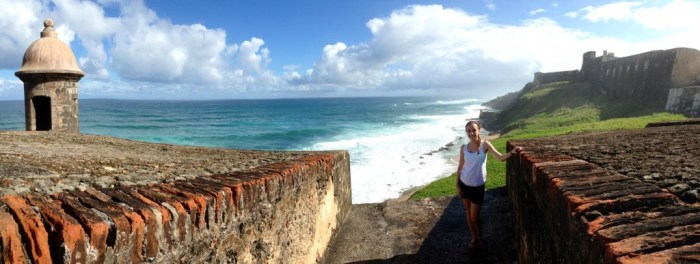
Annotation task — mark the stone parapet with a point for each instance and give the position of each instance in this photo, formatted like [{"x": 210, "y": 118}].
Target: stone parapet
[
  {"x": 560, "y": 76},
  {"x": 283, "y": 211},
  {"x": 608, "y": 197}
]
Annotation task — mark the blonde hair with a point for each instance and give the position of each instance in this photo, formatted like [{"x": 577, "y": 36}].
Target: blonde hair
[{"x": 478, "y": 134}]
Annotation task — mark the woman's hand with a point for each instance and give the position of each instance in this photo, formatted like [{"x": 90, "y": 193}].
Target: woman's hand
[{"x": 516, "y": 150}]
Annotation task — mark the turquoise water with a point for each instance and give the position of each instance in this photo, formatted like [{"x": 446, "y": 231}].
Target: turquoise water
[{"x": 388, "y": 138}]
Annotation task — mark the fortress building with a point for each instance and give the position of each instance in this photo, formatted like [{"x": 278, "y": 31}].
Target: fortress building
[
  {"x": 50, "y": 74},
  {"x": 667, "y": 79}
]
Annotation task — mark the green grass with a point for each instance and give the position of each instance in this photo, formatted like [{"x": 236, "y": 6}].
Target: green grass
[{"x": 563, "y": 121}]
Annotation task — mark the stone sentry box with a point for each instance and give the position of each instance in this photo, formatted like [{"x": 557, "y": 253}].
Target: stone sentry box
[{"x": 50, "y": 74}]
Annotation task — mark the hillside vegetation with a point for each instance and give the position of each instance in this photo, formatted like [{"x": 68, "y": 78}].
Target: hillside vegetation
[{"x": 551, "y": 110}]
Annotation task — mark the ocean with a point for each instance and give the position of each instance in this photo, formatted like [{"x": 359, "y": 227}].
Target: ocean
[{"x": 394, "y": 142}]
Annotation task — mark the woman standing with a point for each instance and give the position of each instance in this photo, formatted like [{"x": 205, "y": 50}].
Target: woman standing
[{"x": 471, "y": 177}]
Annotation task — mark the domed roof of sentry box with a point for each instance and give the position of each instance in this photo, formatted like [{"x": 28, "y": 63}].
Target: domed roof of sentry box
[{"x": 48, "y": 54}]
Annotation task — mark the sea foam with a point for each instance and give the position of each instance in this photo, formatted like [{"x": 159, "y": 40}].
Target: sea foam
[{"x": 387, "y": 162}]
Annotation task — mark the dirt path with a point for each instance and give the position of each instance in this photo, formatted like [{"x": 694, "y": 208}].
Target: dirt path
[{"x": 423, "y": 231}]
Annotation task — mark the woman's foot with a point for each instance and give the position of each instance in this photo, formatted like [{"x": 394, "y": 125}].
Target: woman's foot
[{"x": 474, "y": 244}]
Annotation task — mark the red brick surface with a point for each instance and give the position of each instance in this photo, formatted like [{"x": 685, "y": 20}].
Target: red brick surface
[
  {"x": 96, "y": 228},
  {"x": 157, "y": 222},
  {"x": 12, "y": 248},
  {"x": 610, "y": 201},
  {"x": 70, "y": 238},
  {"x": 32, "y": 228},
  {"x": 89, "y": 199}
]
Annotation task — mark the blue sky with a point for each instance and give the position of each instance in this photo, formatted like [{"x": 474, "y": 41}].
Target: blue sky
[{"x": 220, "y": 49}]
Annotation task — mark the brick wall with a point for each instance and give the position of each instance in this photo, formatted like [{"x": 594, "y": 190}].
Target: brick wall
[
  {"x": 281, "y": 212},
  {"x": 569, "y": 210}
]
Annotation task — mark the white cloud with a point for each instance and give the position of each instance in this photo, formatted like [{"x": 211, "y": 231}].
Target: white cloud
[
  {"x": 13, "y": 87},
  {"x": 615, "y": 11},
  {"x": 434, "y": 48},
  {"x": 162, "y": 52},
  {"x": 537, "y": 11},
  {"x": 87, "y": 19},
  {"x": 675, "y": 15},
  {"x": 20, "y": 22},
  {"x": 252, "y": 56},
  {"x": 429, "y": 50},
  {"x": 572, "y": 14},
  {"x": 490, "y": 4},
  {"x": 142, "y": 46}
]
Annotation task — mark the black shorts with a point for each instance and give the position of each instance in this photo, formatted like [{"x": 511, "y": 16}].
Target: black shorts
[{"x": 473, "y": 194}]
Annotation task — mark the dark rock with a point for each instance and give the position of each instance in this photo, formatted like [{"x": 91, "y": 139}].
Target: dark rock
[
  {"x": 679, "y": 188},
  {"x": 691, "y": 196}
]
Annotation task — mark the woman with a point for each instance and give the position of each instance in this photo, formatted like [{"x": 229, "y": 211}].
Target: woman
[{"x": 471, "y": 177}]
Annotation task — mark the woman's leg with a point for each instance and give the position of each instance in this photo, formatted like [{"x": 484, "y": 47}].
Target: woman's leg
[
  {"x": 474, "y": 222},
  {"x": 468, "y": 205}
]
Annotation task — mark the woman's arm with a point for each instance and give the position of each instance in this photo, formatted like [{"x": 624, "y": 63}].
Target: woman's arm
[
  {"x": 497, "y": 154},
  {"x": 459, "y": 167}
]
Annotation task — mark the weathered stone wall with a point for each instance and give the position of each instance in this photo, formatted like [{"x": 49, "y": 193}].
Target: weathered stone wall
[
  {"x": 618, "y": 197},
  {"x": 643, "y": 78},
  {"x": 685, "y": 100},
  {"x": 284, "y": 211},
  {"x": 686, "y": 70},
  {"x": 560, "y": 76},
  {"x": 63, "y": 91}
]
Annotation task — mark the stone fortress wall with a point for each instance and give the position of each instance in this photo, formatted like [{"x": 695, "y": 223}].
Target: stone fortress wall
[
  {"x": 560, "y": 76},
  {"x": 609, "y": 197},
  {"x": 645, "y": 78},
  {"x": 684, "y": 100},
  {"x": 76, "y": 198}
]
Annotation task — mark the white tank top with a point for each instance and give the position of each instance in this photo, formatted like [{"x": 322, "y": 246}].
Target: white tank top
[{"x": 474, "y": 169}]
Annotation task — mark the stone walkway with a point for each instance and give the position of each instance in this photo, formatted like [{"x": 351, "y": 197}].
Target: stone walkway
[{"x": 423, "y": 231}]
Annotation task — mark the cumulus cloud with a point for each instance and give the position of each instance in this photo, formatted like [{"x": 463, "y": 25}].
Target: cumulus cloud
[
  {"x": 572, "y": 14},
  {"x": 537, "y": 11},
  {"x": 136, "y": 45},
  {"x": 88, "y": 20},
  {"x": 20, "y": 22},
  {"x": 252, "y": 56},
  {"x": 161, "y": 52},
  {"x": 676, "y": 15},
  {"x": 149, "y": 48},
  {"x": 436, "y": 48},
  {"x": 614, "y": 11},
  {"x": 423, "y": 49}
]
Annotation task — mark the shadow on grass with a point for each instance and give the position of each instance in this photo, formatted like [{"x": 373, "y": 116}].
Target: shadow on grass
[{"x": 447, "y": 241}]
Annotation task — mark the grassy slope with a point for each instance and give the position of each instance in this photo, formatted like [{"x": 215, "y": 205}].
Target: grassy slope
[{"x": 552, "y": 110}]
